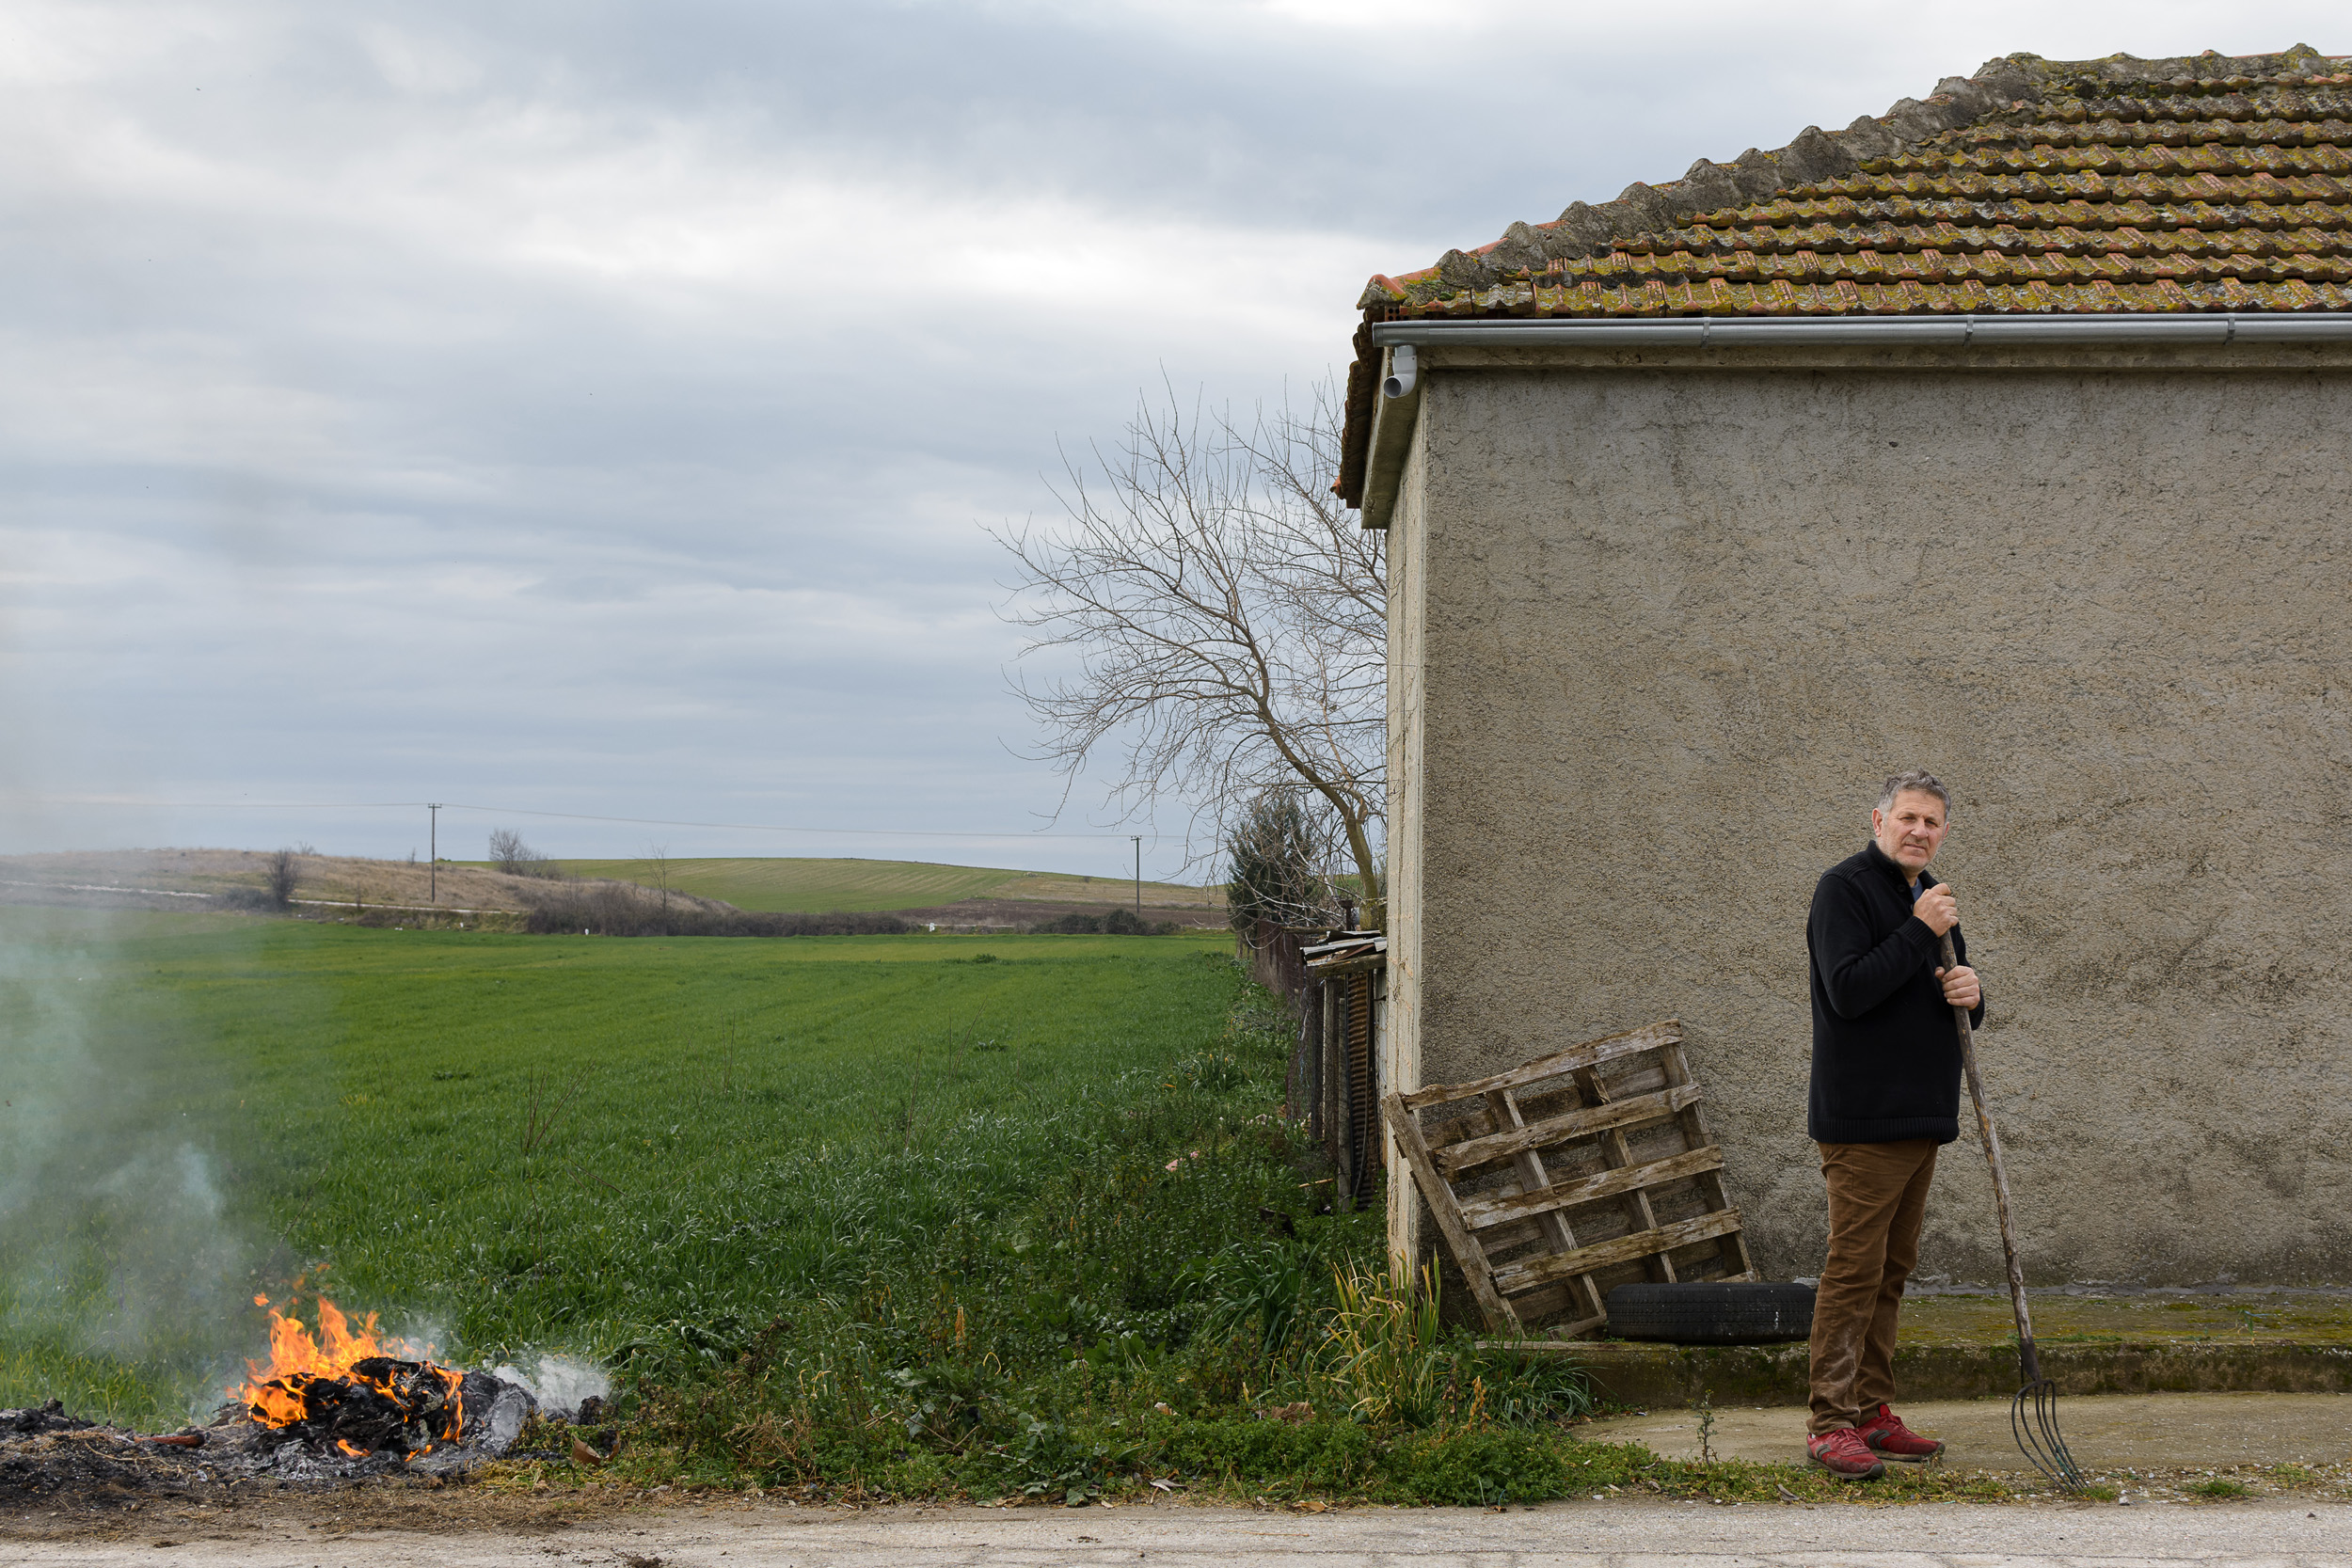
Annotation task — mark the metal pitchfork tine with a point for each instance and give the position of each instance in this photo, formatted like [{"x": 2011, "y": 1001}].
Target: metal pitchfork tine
[{"x": 2033, "y": 1414}]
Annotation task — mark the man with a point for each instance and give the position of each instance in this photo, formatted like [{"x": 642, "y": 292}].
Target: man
[{"x": 1885, "y": 1097}]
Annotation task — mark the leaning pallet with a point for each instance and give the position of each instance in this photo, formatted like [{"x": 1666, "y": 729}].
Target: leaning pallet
[{"x": 1582, "y": 1170}]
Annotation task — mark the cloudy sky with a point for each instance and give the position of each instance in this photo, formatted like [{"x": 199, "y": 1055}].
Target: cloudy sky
[{"x": 592, "y": 407}]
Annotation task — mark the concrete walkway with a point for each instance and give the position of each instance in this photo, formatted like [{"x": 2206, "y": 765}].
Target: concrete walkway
[
  {"x": 1958, "y": 1345},
  {"x": 2281, "y": 1534},
  {"x": 2114, "y": 1431}
]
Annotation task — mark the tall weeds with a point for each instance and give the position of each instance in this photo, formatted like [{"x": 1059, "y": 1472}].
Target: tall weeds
[
  {"x": 1136, "y": 1283},
  {"x": 1383, "y": 1355}
]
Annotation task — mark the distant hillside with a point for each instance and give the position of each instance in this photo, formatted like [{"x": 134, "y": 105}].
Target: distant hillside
[
  {"x": 795, "y": 885},
  {"x": 935, "y": 897}
]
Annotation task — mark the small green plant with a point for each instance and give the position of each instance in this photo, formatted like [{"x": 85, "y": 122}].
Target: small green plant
[
  {"x": 1257, "y": 1288},
  {"x": 2221, "y": 1486},
  {"x": 1543, "y": 1388},
  {"x": 1707, "y": 1426},
  {"x": 1213, "y": 1073}
]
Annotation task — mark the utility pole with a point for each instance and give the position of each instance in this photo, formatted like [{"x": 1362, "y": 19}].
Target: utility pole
[
  {"x": 1139, "y": 838},
  {"x": 433, "y": 855}
]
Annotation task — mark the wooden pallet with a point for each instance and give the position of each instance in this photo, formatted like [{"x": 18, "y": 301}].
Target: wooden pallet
[{"x": 1557, "y": 1181}]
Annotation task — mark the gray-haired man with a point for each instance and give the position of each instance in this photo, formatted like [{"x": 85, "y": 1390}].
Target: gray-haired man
[{"x": 1886, "y": 1095}]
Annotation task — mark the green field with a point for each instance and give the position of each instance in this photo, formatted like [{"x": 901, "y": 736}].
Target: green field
[
  {"x": 808, "y": 886},
  {"x": 518, "y": 1141}
]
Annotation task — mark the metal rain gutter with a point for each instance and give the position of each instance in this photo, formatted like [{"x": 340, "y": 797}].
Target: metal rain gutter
[
  {"x": 2219, "y": 328},
  {"x": 1396, "y": 410}
]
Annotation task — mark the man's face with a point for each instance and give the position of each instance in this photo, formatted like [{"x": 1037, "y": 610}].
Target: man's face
[{"x": 1909, "y": 831}]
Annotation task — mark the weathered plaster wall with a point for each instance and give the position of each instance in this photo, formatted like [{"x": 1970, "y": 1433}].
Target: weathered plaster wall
[{"x": 1678, "y": 625}]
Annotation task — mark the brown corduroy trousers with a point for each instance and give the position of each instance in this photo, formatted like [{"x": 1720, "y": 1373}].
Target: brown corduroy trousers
[{"x": 1878, "y": 1196}]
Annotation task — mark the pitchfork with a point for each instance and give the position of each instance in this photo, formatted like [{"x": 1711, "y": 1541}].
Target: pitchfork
[{"x": 2033, "y": 1414}]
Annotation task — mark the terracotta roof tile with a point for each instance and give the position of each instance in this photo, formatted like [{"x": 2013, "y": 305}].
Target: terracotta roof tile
[
  {"x": 2210, "y": 182},
  {"x": 2133, "y": 172}
]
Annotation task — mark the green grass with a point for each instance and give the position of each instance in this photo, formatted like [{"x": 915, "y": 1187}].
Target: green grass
[
  {"x": 810, "y": 886},
  {"x": 511, "y": 1141}
]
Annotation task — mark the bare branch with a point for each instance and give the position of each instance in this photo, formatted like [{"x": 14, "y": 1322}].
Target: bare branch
[{"x": 1230, "y": 619}]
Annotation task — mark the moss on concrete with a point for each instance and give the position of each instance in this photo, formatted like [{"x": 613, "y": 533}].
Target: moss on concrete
[{"x": 1959, "y": 1347}]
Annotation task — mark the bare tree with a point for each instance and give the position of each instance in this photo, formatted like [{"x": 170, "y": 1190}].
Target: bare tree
[
  {"x": 1230, "y": 619},
  {"x": 510, "y": 854},
  {"x": 658, "y": 855},
  {"x": 279, "y": 870},
  {"x": 507, "y": 850}
]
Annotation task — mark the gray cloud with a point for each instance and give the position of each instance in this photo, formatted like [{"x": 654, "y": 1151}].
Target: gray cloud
[{"x": 590, "y": 407}]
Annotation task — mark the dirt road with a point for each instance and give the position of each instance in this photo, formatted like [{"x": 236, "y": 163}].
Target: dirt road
[{"x": 2275, "y": 1534}]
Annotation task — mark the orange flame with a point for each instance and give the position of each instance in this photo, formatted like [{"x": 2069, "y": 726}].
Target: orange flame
[{"x": 296, "y": 1358}]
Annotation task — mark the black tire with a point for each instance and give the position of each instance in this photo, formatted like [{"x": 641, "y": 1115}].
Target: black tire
[{"x": 1740, "y": 1313}]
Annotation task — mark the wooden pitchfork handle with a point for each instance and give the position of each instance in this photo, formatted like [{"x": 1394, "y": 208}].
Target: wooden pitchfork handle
[{"x": 2028, "y": 1361}]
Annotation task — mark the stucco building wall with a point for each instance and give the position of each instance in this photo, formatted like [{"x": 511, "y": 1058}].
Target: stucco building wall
[{"x": 1657, "y": 635}]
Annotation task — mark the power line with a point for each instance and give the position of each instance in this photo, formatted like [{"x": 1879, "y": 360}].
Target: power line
[
  {"x": 566, "y": 816},
  {"x": 773, "y": 828}
]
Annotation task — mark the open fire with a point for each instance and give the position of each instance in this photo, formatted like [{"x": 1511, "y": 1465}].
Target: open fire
[
  {"x": 352, "y": 1391},
  {"x": 342, "y": 1405}
]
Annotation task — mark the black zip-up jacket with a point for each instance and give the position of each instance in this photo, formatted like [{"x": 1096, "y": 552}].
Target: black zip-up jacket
[{"x": 1885, "y": 1057}]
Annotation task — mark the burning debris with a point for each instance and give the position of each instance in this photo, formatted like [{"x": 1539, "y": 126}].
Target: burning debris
[
  {"x": 352, "y": 1396},
  {"x": 381, "y": 1406},
  {"x": 351, "y": 1392},
  {"x": 344, "y": 1405}
]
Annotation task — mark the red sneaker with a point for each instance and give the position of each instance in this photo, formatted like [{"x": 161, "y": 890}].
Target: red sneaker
[
  {"x": 1844, "y": 1453},
  {"x": 1884, "y": 1432}
]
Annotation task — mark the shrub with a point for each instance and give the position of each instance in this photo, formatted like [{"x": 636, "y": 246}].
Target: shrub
[
  {"x": 1115, "y": 922},
  {"x": 1481, "y": 1466},
  {"x": 1322, "y": 1455},
  {"x": 1271, "y": 854},
  {"x": 280, "y": 875},
  {"x": 626, "y": 910}
]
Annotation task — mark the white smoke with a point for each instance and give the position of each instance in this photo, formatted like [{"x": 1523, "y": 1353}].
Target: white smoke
[
  {"x": 122, "y": 1276},
  {"x": 559, "y": 1382}
]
